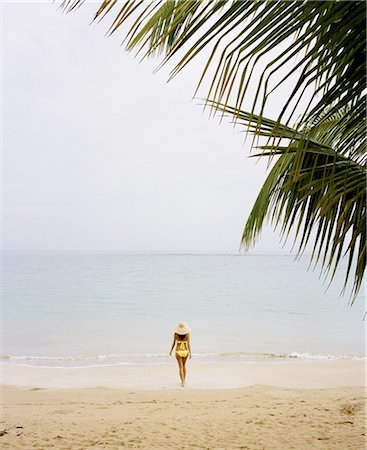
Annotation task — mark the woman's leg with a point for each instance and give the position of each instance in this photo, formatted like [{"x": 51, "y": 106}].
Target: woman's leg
[
  {"x": 184, "y": 368},
  {"x": 180, "y": 368}
]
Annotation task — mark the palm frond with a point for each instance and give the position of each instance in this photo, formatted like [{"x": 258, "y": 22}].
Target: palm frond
[
  {"x": 328, "y": 37},
  {"x": 313, "y": 188},
  {"x": 318, "y": 181}
]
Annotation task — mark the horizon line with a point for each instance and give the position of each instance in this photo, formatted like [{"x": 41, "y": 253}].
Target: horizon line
[{"x": 165, "y": 252}]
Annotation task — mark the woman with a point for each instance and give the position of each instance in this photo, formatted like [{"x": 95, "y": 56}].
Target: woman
[{"x": 183, "y": 349}]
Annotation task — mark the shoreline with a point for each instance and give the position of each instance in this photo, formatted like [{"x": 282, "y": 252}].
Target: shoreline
[{"x": 210, "y": 376}]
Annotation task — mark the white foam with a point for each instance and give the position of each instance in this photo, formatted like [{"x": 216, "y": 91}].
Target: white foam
[{"x": 121, "y": 359}]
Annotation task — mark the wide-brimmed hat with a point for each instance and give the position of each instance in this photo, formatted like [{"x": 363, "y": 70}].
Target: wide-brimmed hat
[{"x": 182, "y": 328}]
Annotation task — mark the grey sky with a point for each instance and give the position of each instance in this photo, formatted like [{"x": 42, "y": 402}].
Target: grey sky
[{"x": 99, "y": 153}]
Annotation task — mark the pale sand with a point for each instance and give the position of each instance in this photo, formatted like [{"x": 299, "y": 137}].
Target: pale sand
[{"x": 286, "y": 406}]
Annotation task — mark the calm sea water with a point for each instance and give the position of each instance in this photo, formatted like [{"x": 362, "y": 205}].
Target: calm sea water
[{"x": 76, "y": 309}]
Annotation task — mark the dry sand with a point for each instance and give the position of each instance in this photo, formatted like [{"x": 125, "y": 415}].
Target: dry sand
[{"x": 326, "y": 414}]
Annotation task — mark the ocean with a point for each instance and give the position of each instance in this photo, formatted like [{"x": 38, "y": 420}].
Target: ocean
[{"x": 74, "y": 309}]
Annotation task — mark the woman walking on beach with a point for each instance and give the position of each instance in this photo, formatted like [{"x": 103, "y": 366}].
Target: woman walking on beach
[{"x": 181, "y": 337}]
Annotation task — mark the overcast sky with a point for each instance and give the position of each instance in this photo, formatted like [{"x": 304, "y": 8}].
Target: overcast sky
[{"x": 99, "y": 153}]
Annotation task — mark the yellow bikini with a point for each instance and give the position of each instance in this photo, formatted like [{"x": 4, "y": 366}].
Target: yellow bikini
[{"x": 182, "y": 350}]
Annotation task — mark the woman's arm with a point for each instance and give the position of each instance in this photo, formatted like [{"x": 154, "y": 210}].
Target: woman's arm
[
  {"x": 189, "y": 346},
  {"x": 173, "y": 344}
]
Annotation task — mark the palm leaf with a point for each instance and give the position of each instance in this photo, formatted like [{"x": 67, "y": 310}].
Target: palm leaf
[
  {"x": 312, "y": 187},
  {"x": 327, "y": 36},
  {"x": 318, "y": 180}
]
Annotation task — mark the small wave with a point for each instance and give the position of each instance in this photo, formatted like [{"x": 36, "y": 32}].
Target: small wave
[
  {"x": 82, "y": 357},
  {"x": 331, "y": 356},
  {"x": 121, "y": 359}
]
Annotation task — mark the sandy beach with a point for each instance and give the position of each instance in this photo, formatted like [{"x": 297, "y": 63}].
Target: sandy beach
[
  {"x": 288, "y": 406},
  {"x": 184, "y": 190}
]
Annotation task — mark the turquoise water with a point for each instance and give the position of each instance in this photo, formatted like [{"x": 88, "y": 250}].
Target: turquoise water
[{"x": 75, "y": 308}]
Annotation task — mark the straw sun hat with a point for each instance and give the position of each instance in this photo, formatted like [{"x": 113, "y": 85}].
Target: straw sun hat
[{"x": 182, "y": 328}]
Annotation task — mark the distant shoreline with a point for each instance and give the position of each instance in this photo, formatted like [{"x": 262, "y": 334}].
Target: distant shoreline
[{"x": 160, "y": 253}]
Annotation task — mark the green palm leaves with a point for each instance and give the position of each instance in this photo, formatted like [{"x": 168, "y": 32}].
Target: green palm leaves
[
  {"x": 312, "y": 188},
  {"x": 317, "y": 183}
]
